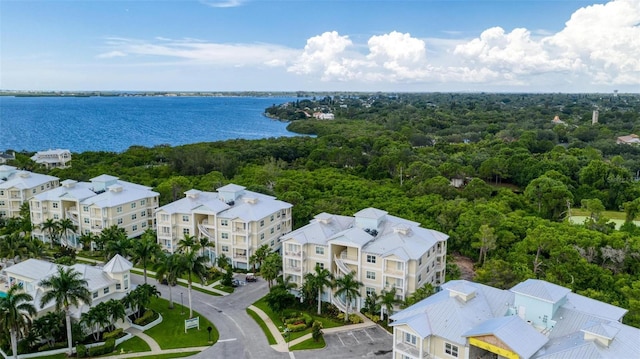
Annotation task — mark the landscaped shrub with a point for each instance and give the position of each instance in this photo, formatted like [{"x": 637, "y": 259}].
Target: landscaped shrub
[
  {"x": 46, "y": 347},
  {"x": 373, "y": 317},
  {"x": 296, "y": 327},
  {"x": 316, "y": 332},
  {"x": 148, "y": 317},
  {"x": 295, "y": 320},
  {"x": 106, "y": 348},
  {"x": 355, "y": 319},
  {"x": 290, "y": 313},
  {"x": 308, "y": 320},
  {"x": 114, "y": 334},
  {"x": 81, "y": 351}
]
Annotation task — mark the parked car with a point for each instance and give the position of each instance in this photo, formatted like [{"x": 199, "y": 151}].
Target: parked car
[
  {"x": 235, "y": 282},
  {"x": 251, "y": 277}
]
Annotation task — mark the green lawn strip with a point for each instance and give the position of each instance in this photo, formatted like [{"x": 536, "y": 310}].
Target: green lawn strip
[
  {"x": 133, "y": 345},
  {"x": 607, "y": 214},
  {"x": 224, "y": 288},
  {"x": 170, "y": 333},
  {"x": 262, "y": 325},
  {"x": 326, "y": 322},
  {"x": 309, "y": 344}
]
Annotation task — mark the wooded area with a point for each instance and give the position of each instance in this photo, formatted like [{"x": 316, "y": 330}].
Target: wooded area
[{"x": 521, "y": 176}]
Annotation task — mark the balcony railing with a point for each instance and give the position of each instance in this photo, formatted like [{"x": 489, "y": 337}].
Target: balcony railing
[
  {"x": 346, "y": 257},
  {"x": 293, "y": 268},
  {"x": 342, "y": 266},
  {"x": 293, "y": 254},
  {"x": 206, "y": 231}
]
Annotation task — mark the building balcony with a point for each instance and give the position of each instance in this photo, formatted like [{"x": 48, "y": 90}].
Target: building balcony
[
  {"x": 394, "y": 272},
  {"x": 293, "y": 254},
  {"x": 208, "y": 232},
  {"x": 410, "y": 350},
  {"x": 240, "y": 229},
  {"x": 342, "y": 266},
  {"x": 293, "y": 269},
  {"x": 240, "y": 257},
  {"x": 347, "y": 258}
]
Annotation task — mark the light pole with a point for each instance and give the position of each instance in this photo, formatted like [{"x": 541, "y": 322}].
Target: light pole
[{"x": 181, "y": 304}]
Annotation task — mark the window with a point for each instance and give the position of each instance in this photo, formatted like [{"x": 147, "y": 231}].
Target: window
[
  {"x": 410, "y": 338},
  {"x": 134, "y": 216},
  {"x": 278, "y": 228},
  {"x": 119, "y": 209},
  {"x": 225, "y": 248},
  {"x": 319, "y": 250},
  {"x": 420, "y": 261},
  {"x": 371, "y": 275},
  {"x": 1, "y": 193},
  {"x": 143, "y": 202},
  {"x": 224, "y": 222},
  {"x": 95, "y": 294},
  {"x": 321, "y": 265},
  {"x": 272, "y": 243},
  {"x": 261, "y": 236},
  {"x": 134, "y": 227},
  {"x": 185, "y": 218},
  {"x": 370, "y": 291},
  {"x": 143, "y": 214},
  {"x": 164, "y": 217},
  {"x": 33, "y": 190},
  {"x": 1, "y": 203},
  {"x": 165, "y": 230},
  {"x": 106, "y": 290},
  {"x": 86, "y": 220},
  {"x": 133, "y": 205},
  {"x": 56, "y": 216},
  {"x": 419, "y": 278},
  {"x": 224, "y": 235},
  {"x": 54, "y": 205},
  {"x": 272, "y": 218},
  {"x": 144, "y": 224},
  {"x": 371, "y": 259},
  {"x": 118, "y": 286},
  {"x": 185, "y": 231},
  {"x": 278, "y": 214},
  {"x": 451, "y": 349},
  {"x": 262, "y": 223},
  {"x": 85, "y": 208},
  {"x": 271, "y": 230}
]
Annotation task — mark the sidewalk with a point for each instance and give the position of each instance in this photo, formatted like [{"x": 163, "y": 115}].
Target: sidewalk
[{"x": 281, "y": 344}]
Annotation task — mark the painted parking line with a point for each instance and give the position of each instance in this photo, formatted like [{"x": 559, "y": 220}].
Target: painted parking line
[
  {"x": 341, "y": 340},
  {"x": 354, "y": 337},
  {"x": 367, "y": 333},
  {"x": 227, "y": 340}
]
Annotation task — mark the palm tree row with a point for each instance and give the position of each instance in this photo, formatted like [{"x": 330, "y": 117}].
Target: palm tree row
[{"x": 57, "y": 230}]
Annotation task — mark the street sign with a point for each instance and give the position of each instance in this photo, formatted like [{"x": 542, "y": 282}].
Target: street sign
[{"x": 191, "y": 323}]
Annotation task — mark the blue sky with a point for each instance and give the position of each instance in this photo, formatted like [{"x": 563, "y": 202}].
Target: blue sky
[{"x": 326, "y": 45}]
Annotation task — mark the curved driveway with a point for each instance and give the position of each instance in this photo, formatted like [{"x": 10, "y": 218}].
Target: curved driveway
[{"x": 240, "y": 335}]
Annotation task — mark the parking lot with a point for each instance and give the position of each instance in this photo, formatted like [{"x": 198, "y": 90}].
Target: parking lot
[{"x": 372, "y": 342}]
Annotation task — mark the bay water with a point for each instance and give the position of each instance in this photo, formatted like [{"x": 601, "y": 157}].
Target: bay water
[{"x": 117, "y": 122}]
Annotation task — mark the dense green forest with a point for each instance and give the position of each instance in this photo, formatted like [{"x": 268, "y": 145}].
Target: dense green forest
[{"x": 522, "y": 177}]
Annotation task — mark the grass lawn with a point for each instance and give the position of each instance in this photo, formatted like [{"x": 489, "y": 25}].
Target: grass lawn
[
  {"x": 224, "y": 288},
  {"x": 326, "y": 322},
  {"x": 262, "y": 325},
  {"x": 608, "y": 214},
  {"x": 170, "y": 333},
  {"x": 309, "y": 344},
  {"x": 133, "y": 345}
]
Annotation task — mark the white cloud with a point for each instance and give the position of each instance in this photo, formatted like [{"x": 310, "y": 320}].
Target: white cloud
[
  {"x": 223, "y": 3},
  {"x": 111, "y": 54}
]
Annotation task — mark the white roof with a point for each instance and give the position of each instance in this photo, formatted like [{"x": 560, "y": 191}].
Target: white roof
[
  {"x": 79, "y": 191},
  {"x": 322, "y": 227},
  {"x": 196, "y": 201},
  {"x": 117, "y": 264},
  {"x": 113, "y": 197},
  {"x": 26, "y": 180},
  {"x": 34, "y": 269},
  {"x": 542, "y": 290}
]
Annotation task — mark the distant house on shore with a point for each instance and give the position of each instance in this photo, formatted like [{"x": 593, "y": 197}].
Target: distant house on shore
[
  {"x": 631, "y": 139},
  {"x": 53, "y": 158},
  {"x": 7, "y": 156},
  {"x": 323, "y": 116}
]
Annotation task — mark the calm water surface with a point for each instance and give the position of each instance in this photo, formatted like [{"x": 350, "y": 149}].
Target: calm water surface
[{"x": 116, "y": 123}]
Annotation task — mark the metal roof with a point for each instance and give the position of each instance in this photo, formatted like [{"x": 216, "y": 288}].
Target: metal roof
[{"x": 542, "y": 290}]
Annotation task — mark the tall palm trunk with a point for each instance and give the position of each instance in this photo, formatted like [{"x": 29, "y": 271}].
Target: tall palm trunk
[
  {"x": 319, "y": 300},
  {"x": 14, "y": 342},
  {"x": 190, "y": 308},
  {"x": 69, "y": 337}
]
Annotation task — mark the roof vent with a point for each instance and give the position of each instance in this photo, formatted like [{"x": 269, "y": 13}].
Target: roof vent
[
  {"x": 250, "y": 200},
  {"x": 116, "y": 188},
  {"x": 24, "y": 174}
]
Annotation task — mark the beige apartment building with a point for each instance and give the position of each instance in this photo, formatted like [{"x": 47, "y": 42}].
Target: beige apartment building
[
  {"x": 383, "y": 251},
  {"x": 17, "y": 187},
  {"x": 57, "y": 158},
  {"x": 96, "y": 205},
  {"x": 234, "y": 220}
]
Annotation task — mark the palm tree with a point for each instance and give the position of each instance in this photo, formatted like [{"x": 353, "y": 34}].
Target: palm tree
[
  {"x": 34, "y": 248},
  {"x": 271, "y": 268},
  {"x": 47, "y": 326},
  {"x": 349, "y": 287},
  {"x": 188, "y": 244},
  {"x": 65, "y": 225},
  {"x": 16, "y": 311},
  {"x": 120, "y": 246},
  {"x": 259, "y": 256},
  {"x": 140, "y": 298},
  {"x": 110, "y": 235},
  {"x": 192, "y": 264},
  {"x": 145, "y": 250},
  {"x": 66, "y": 288},
  {"x": 320, "y": 279},
  {"x": 52, "y": 228},
  {"x": 205, "y": 244},
  {"x": 165, "y": 268},
  {"x": 116, "y": 311},
  {"x": 96, "y": 318},
  {"x": 388, "y": 300},
  {"x": 13, "y": 245}
]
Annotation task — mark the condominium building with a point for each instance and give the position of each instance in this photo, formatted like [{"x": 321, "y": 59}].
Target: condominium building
[
  {"x": 93, "y": 206},
  {"x": 52, "y": 158},
  {"x": 383, "y": 251},
  {"x": 17, "y": 187},
  {"x": 533, "y": 320},
  {"x": 235, "y": 220},
  {"x": 109, "y": 282}
]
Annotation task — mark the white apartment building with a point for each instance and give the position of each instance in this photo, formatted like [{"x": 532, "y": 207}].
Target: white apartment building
[
  {"x": 109, "y": 282},
  {"x": 52, "y": 158},
  {"x": 533, "y": 320},
  {"x": 235, "y": 220},
  {"x": 383, "y": 251},
  {"x": 96, "y": 205},
  {"x": 17, "y": 187}
]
